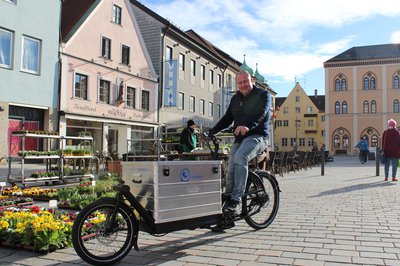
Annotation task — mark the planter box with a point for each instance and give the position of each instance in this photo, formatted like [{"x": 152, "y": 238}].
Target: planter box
[{"x": 114, "y": 167}]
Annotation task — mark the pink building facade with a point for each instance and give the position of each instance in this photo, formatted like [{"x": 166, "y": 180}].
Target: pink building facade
[{"x": 108, "y": 84}]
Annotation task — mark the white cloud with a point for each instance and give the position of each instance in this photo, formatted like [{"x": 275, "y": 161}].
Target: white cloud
[
  {"x": 395, "y": 37},
  {"x": 276, "y": 33},
  {"x": 335, "y": 47}
]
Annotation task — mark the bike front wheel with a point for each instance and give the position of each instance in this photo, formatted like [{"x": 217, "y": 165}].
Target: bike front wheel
[
  {"x": 102, "y": 234},
  {"x": 262, "y": 199}
]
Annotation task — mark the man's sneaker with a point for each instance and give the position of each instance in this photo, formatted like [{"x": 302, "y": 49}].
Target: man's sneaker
[{"x": 233, "y": 206}]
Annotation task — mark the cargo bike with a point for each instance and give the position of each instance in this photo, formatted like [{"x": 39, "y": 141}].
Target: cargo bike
[{"x": 160, "y": 197}]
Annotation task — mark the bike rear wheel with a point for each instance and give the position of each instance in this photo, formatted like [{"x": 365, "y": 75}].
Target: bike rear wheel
[
  {"x": 100, "y": 240},
  {"x": 262, "y": 199}
]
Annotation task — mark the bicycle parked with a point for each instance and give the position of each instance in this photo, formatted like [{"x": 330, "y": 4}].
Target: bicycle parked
[{"x": 105, "y": 231}]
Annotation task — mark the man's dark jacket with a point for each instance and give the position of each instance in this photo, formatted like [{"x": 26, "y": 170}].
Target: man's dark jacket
[{"x": 252, "y": 111}]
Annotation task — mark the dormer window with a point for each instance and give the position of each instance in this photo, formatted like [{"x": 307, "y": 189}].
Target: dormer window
[{"x": 117, "y": 13}]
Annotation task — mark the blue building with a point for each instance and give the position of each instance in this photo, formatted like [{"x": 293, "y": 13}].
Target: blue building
[{"x": 29, "y": 67}]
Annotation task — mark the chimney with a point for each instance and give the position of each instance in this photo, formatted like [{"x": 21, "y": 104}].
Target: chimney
[{"x": 315, "y": 93}]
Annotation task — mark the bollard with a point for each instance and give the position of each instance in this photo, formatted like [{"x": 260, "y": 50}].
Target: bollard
[
  {"x": 323, "y": 162},
  {"x": 377, "y": 159}
]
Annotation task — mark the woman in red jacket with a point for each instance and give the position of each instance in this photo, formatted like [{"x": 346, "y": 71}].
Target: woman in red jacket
[{"x": 391, "y": 148}]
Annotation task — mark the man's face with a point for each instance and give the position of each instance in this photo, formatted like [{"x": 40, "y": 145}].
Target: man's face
[{"x": 244, "y": 83}]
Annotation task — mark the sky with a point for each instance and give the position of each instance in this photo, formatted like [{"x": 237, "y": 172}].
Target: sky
[{"x": 288, "y": 40}]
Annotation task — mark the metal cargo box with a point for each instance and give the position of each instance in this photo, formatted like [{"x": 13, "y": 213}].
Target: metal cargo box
[{"x": 175, "y": 190}]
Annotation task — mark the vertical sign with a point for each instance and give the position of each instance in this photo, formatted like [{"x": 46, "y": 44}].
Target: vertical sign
[
  {"x": 226, "y": 98},
  {"x": 170, "y": 83}
]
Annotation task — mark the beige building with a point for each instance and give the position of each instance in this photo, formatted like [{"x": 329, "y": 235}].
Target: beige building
[
  {"x": 362, "y": 92},
  {"x": 299, "y": 121}
]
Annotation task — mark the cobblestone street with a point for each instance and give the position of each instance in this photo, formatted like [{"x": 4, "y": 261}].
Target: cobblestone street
[{"x": 348, "y": 216}]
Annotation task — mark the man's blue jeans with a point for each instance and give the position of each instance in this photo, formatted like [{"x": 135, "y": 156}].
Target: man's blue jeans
[
  {"x": 393, "y": 161},
  {"x": 240, "y": 155}
]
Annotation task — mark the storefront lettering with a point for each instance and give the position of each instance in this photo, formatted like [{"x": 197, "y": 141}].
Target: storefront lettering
[
  {"x": 84, "y": 108},
  {"x": 117, "y": 112}
]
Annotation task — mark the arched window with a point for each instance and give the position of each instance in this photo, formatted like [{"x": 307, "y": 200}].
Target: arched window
[
  {"x": 340, "y": 83},
  {"x": 336, "y": 141},
  {"x": 396, "y": 82},
  {"x": 372, "y": 83},
  {"x": 344, "y": 107},
  {"x": 345, "y": 141},
  {"x": 373, "y": 106},
  {"x": 374, "y": 141},
  {"x": 344, "y": 87},
  {"x": 337, "y": 108},
  {"x": 369, "y": 81},
  {"x": 365, "y": 107},
  {"x": 366, "y": 83},
  {"x": 396, "y": 106},
  {"x": 337, "y": 85}
]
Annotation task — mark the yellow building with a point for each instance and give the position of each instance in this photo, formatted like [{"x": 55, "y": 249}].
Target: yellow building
[
  {"x": 299, "y": 122},
  {"x": 362, "y": 92}
]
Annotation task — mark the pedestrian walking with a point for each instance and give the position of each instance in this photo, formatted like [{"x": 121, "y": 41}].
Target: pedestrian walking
[{"x": 391, "y": 148}]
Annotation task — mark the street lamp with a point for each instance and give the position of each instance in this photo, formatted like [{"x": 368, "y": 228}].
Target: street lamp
[{"x": 297, "y": 128}]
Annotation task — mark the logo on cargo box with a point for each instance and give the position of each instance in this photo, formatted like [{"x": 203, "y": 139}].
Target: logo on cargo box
[{"x": 185, "y": 175}]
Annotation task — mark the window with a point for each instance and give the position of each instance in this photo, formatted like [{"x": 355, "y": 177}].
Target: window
[
  {"x": 369, "y": 82},
  {"x": 210, "y": 109},
  {"x": 309, "y": 109},
  {"x": 344, "y": 87},
  {"x": 340, "y": 83},
  {"x": 125, "y": 54},
  {"x": 117, "y": 11},
  {"x": 337, "y": 85},
  {"x": 192, "y": 67},
  {"x": 106, "y": 48},
  {"x": 373, "y": 107},
  {"x": 203, "y": 72},
  {"x": 80, "y": 90},
  {"x": 284, "y": 141},
  {"x": 297, "y": 99},
  {"x": 31, "y": 55},
  {"x": 366, "y": 83},
  {"x": 278, "y": 123},
  {"x": 310, "y": 123},
  {"x": 202, "y": 106},
  {"x": 285, "y": 110},
  {"x": 6, "y": 48},
  {"x": 192, "y": 100},
  {"x": 396, "y": 106},
  {"x": 297, "y": 110},
  {"x": 181, "y": 101},
  {"x": 130, "y": 97},
  {"x": 104, "y": 91},
  {"x": 229, "y": 81},
  {"x": 145, "y": 100},
  {"x": 219, "y": 110},
  {"x": 322, "y": 118},
  {"x": 310, "y": 142},
  {"x": 337, "y": 108},
  {"x": 396, "y": 82},
  {"x": 168, "y": 53},
  {"x": 292, "y": 141},
  {"x": 365, "y": 107},
  {"x": 182, "y": 62},
  {"x": 285, "y": 123},
  {"x": 211, "y": 76},
  {"x": 345, "y": 141},
  {"x": 302, "y": 142},
  {"x": 344, "y": 107},
  {"x": 219, "y": 77},
  {"x": 372, "y": 83},
  {"x": 336, "y": 141}
]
